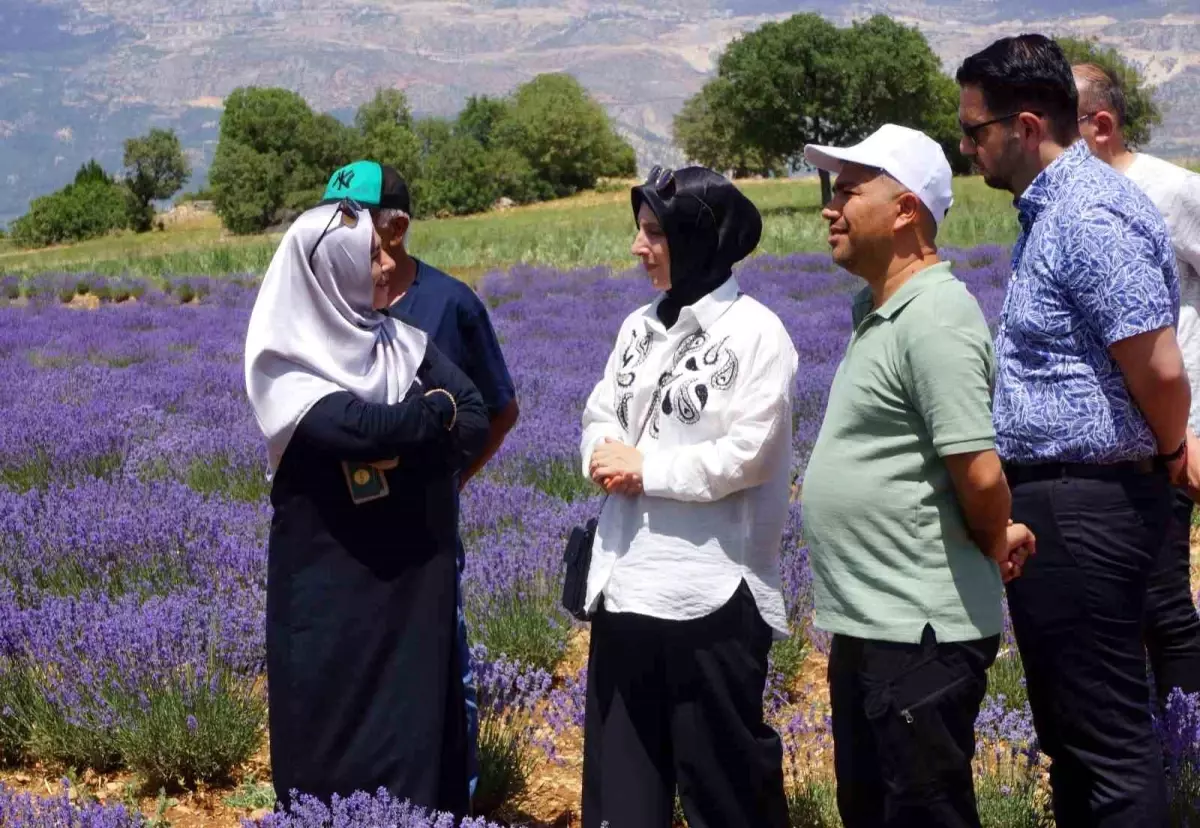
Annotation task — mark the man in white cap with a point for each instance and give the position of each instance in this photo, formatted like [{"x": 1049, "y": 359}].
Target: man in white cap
[{"x": 906, "y": 507}]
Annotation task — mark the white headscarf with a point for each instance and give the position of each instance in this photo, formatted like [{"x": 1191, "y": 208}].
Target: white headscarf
[{"x": 313, "y": 331}]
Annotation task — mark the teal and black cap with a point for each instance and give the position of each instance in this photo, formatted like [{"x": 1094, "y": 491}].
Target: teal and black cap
[{"x": 369, "y": 183}]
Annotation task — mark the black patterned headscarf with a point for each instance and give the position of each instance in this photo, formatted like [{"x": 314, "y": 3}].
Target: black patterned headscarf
[{"x": 710, "y": 226}]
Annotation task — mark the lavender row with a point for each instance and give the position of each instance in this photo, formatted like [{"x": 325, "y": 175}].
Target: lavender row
[{"x": 133, "y": 510}]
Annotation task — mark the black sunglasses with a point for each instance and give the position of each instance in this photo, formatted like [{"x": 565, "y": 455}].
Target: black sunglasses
[
  {"x": 349, "y": 209},
  {"x": 972, "y": 130},
  {"x": 662, "y": 179}
]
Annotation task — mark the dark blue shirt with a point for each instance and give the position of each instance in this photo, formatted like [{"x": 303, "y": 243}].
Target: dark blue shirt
[
  {"x": 458, "y": 323},
  {"x": 1093, "y": 265}
]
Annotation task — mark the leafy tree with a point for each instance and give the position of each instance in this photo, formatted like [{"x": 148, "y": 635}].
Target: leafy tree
[
  {"x": 264, "y": 119},
  {"x": 432, "y": 133},
  {"x": 272, "y": 152},
  {"x": 389, "y": 108},
  {"x": 386, "y": 127},
  {"x": 91, "y": 208},
  {"x": 92, "y": 171},
  {"x": 1142, "y": 112},
  {"x": 456, "y": 179},
  {"x": 804, "y": 80},
  {"x": 565, "y": 134},
  {"x": 515, "y": 178},
  {"x": 155, "y": 169},
  {"x": 479, "y": 117},
  {"x": 707, "y": 134},
  {"x": 247, "y": 186}
]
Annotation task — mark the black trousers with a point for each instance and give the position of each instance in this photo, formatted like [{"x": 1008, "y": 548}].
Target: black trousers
[
  {"x": 904, "y": 730},
  {"x": 679, "y": 703},
  {"x": 1077, "y": 613},
  {"x": 1172, "y": 629}
]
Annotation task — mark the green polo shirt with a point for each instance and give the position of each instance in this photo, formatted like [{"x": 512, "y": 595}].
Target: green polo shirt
[{"x": 888, "y": 543}]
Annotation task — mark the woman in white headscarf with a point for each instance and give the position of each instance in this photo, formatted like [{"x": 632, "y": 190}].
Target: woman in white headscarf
[{"x": 366, "y": 424}]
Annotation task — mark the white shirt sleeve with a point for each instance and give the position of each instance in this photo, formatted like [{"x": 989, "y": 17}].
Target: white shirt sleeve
[
  {"x": 745, "y": 456},
  {"x": 1186, "y": 233},
  {"x": 599, "y": 416}
]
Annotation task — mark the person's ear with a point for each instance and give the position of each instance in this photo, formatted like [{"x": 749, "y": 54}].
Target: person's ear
[
  {"x": 1032, "y": 130},
  {"x": 908, "y": 211},
  {"x": 1106, "y": 127},
  {"x": 400, "y": 227}
]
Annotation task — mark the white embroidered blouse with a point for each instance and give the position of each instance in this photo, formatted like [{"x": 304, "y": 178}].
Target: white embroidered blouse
[{"x": 715, "y": 393}]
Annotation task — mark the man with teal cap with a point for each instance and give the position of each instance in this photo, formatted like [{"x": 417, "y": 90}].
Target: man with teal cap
[{"x": 457, "y": 321}]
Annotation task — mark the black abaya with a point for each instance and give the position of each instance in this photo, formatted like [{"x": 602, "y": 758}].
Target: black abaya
[{"x": 363, "y": 687}]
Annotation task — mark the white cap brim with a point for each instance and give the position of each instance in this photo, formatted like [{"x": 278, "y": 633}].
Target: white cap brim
[{"x": 832, "y": 159}]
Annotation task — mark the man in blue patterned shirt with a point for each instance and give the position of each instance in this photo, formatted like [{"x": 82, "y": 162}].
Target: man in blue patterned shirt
[{"x": 1091, "y": 408}]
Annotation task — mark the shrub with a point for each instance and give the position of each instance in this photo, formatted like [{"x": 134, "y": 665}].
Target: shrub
[
  {"x": 197, "y": 730},
  {"x": 77, "y": 212}
]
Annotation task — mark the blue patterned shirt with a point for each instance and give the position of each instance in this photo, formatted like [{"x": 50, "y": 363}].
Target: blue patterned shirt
[{"x": 1093, "y": 265}]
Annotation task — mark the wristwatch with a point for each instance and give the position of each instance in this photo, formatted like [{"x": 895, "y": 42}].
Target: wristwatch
[{"x": 1176, "y": 454}]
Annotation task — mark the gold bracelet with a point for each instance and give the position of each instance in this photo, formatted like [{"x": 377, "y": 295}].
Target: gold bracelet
[{"x": 453, "y": 404}]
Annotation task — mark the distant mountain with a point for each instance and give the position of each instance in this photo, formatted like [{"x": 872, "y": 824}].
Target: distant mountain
[{"x": 79, "y": 76}]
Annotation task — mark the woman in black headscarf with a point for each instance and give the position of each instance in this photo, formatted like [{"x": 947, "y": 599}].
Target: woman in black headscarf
[{"x": 690, "y": 433}]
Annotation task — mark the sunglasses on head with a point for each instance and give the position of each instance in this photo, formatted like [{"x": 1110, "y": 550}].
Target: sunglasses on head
[
  {"x": 662, "y": 179},
  {"x": 348, "y": 209}
]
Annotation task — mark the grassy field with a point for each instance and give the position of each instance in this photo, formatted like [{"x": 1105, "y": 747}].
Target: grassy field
[{"x": 594, "y": 228}]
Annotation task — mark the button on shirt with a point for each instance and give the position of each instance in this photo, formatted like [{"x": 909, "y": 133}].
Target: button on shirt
[
  {"x": 1093, "y": 265},
  {"x": 715, "y": 394},
  {"x": 890, "y": 549}
]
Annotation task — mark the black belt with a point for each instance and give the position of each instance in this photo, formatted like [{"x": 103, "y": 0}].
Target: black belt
[{"x": 1029, "y": 472}]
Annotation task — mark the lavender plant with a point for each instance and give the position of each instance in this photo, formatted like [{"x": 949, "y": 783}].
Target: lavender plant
[
  {"x": 509, "y": 697},
  {"x": 23, "y": 810},
  {"x": 134, "y": 514}
]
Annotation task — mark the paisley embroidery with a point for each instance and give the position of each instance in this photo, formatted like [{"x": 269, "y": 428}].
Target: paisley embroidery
[
  {"x": 685, "y": 388},
  {"x": 634, "y": 355}
]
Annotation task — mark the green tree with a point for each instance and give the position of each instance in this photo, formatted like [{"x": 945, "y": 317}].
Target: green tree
[
  {"x": 389, "y": 107},
  {"x": 93, "y": 207},
  {"x": 265, "y": 119},
  {"x": 565, "y": 134},
  {"x": 456, "y": 179},
  {"x": 92, "y": 171},
  {"x": 1142, "y": 112},
  {"x": 479, "y": 117},
  {"x": 155, "y": 169},
  {"x": 804, "y": 80},
  {"x": 386, "y": 127},
  {"x": 273, "y": 152},
  {"x": 707, "y": 134},
  {"x": 247, "y": 186},
  {"x": 900, "y": 81},
  {"x": 515, "y": 177}
]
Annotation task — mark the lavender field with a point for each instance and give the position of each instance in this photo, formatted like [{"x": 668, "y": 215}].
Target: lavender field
[{"x": 133, "y": 522}]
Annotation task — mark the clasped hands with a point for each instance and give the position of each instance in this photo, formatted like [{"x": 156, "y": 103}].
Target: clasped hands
[
  {"x": 617, "y": 468},
  {"x": 1019, "y": 544}
]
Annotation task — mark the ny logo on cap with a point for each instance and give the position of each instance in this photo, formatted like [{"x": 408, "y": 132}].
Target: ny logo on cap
[{"x": 343, "y": 179}]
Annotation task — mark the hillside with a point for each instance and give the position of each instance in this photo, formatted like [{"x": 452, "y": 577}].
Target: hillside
[{"x": 78, "y": 76}]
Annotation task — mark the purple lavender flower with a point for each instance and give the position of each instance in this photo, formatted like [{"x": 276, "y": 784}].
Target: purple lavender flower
[{"x": 58, "y": 811}]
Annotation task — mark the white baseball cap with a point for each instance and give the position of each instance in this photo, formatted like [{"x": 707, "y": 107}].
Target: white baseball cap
[{"x": 907, "y": 155}]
